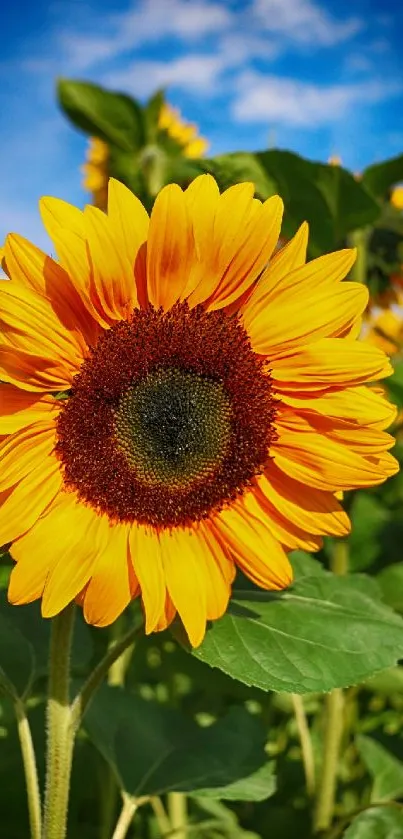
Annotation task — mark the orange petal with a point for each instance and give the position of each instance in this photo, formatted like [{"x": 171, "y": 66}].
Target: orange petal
[
  {"x": 30, "y": 325},
  {"x": 33, "y": 269},
  {"x": 145, "y": 552},
  {"x": 245, "y": 529},
  {"x": 170, "y": 248},
  {"x": 19, "y": 408},
  {"x": 112, "y": 272},
  {"x": 112, "y": 584},
  {"x": 29, "y": 499},
  {"x": 33, "y": 372}
]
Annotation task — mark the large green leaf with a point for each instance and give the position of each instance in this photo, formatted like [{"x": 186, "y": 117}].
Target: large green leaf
[
  {"x": 377, "y": 823},
  {"x": 385, "y": 769},
  {"x": 259, "y": 786},
  {"x": 328, "y": 197},
  {"x": 390, "y": 580},
  {"x": 114, "y": 117},
  {"x": 322, "y": 633},
  {"x": 368, "y": 517},
  {"x": 24, "y": 642},
  {"x": 229, "y": 169},
  {"x": 154, "y": 749},
  {"x": 379, "y": 177}
]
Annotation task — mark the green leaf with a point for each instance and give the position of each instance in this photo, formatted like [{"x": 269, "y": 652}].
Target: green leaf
[
  {"x": 385, "y": 769},
  {"x": 154, "y": 749},
  {"x": 229, "y": 169},
  {"x": 390, "y": 580},
  {"x": 17, "y": 660},
  {"x": 114, "y": 117},
  {"x": 304, "y": 565},
  {"x": 377, "y": 823},
  {"x": 27, "y": 624},
  {"x": 368, "y": 518},
  {"x": 259, "y": 786},
  {"x": 324, "y": 632},
  {"x": 151, "y": 115},
  {"x": 328, "y": 197},
  {"x": 380, "y": 177}
]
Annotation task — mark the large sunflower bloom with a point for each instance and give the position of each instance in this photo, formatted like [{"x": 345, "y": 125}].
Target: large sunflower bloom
[{"x": 214, "y": 402}]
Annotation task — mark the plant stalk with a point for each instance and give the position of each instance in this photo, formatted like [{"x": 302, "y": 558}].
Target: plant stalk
[
  {"x": 177, "y": 809},
  {"x": 306, "y": 743},
  {"x": 334, "y": 723},
  {"x": 126, "y": 817},
  {"x": 60, "y": 732},
  {"x": 30, "y": 771},
  {"x": 359, "y": 271}
]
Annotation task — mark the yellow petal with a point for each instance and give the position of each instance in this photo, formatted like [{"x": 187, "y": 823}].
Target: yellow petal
[
  {"x": 245, "y": 529},
  {"x": 359, "y": 404},
  {"x": 329, "y": 362},
  {"x": 292, "y": 319},
  {"x": 185, "y": 569},
  {"x": 112, "y": 584},
  {"x": 145, "y": 552},
  {"x": 28, "y": 499},
  {"x": 24, "y": 451}
]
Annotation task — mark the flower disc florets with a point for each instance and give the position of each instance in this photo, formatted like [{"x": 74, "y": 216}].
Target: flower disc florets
[{"x": 170, "y": 417}]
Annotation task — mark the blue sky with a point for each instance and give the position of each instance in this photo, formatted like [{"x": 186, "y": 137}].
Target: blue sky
[{"x": 318, "y": 77}]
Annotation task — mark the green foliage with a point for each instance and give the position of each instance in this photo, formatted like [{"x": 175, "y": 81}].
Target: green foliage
[
  {"x": 377, "y": 823},
  {"x": 154, "y": 749},
  {"x": 113, "y": 117},
  {"x": 385, "y": 769},
  {"x": 296, "y": 641},
  {"x": 380, "y": 177}
]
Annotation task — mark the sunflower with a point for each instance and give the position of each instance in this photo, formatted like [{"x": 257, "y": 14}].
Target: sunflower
[{"x": 178, "y": 403}]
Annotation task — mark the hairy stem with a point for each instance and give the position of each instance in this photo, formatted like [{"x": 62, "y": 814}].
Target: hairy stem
[
  {"x": 305, "y": 741},
  {"x": 60, "y": 732},
  {"x": 30, "y": 771}
]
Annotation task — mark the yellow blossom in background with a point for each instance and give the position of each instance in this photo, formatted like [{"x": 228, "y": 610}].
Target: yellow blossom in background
[
  {"x": 215, "y": 400},
  {"x": 384, "y": 329},
  {"x": 96, "y": 172},
  {"x": 185, "y": 133},
  {"x": 96, "y": 168},
  {"x": 396, "y": 197}
]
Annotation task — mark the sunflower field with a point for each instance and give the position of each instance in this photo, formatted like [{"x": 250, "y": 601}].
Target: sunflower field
[{"x": 201, "y": 420}]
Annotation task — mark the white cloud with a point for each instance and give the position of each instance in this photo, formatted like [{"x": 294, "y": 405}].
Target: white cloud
[
  {"x": 284, "y": 101},
  {"x": 197, "y": 72},
  {"x": 147, "y": 21},
  {"x": 304, "y": 22}
]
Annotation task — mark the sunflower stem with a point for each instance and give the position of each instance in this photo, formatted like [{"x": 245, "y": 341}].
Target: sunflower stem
[
  {"x": 359, "y": 240},
  {"x": 126, "y": 817},
  {"x": 306, "y": 743},
  {"x": 177, "y": 809},
  {"x": 334, "y": 723},
  {"x": 30, "y": 771},
  {"x": 60, "y": 731}
]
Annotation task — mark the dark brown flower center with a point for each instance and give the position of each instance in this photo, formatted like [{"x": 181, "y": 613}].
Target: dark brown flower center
[{"x": 169, "y": 419}]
